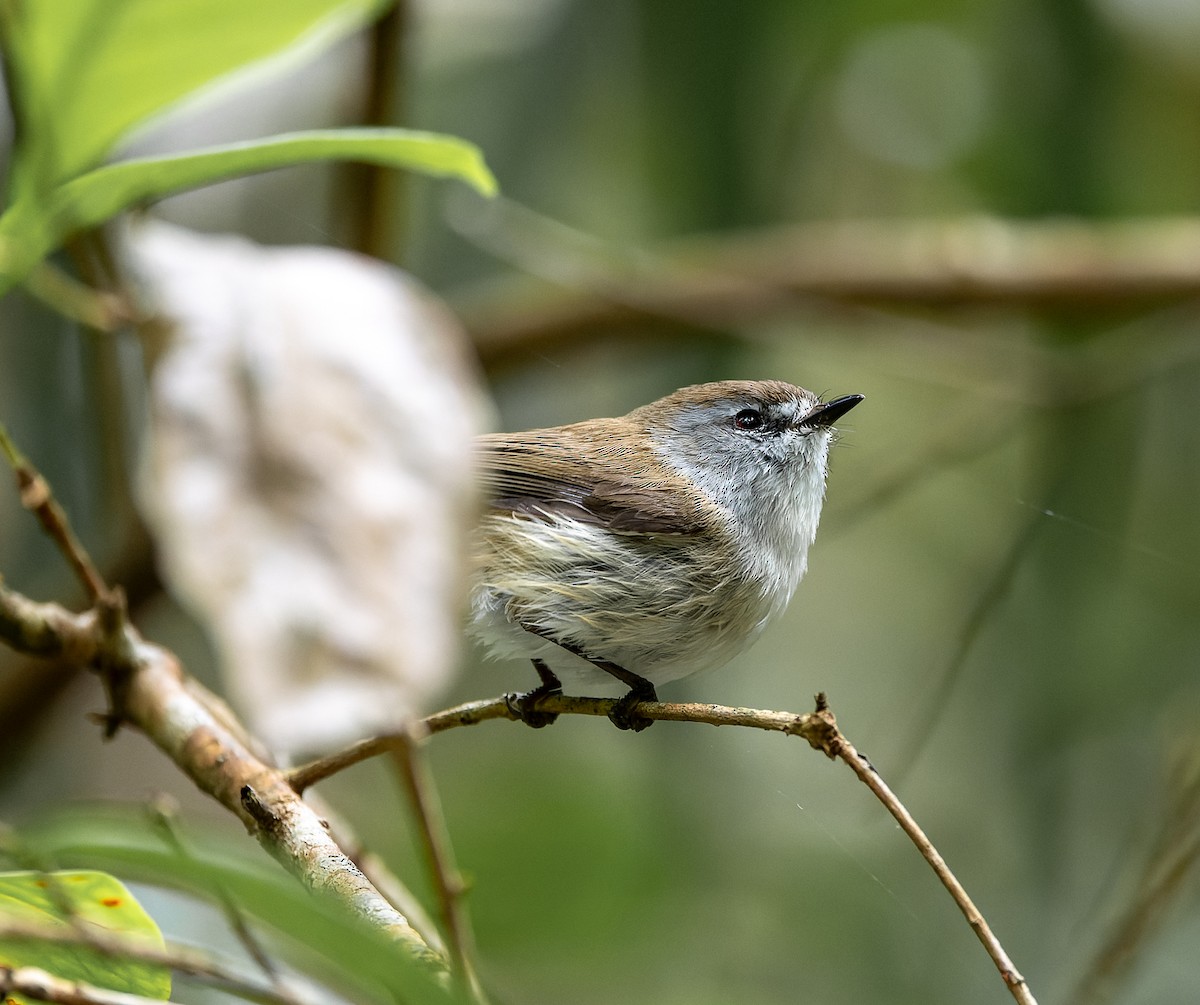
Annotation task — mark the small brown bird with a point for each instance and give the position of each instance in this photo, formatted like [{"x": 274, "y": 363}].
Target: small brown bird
[{"x": 648, "y": 547}]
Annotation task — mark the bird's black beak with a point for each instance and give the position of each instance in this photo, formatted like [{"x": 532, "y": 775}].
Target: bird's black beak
[{"x": 829, "y": 412}]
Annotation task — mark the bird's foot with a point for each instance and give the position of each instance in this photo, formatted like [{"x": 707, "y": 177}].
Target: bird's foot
[
  {"x": 624, "y": 714},
  {"x": 523, "y": 706}
]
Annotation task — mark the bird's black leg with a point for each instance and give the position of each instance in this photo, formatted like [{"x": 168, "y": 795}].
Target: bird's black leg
[
  {"x": 522, "y": 705},
  {"x": 623, "y": 714}
]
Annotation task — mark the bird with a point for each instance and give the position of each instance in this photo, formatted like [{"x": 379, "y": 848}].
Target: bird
[{"x": 650, "y": 546}]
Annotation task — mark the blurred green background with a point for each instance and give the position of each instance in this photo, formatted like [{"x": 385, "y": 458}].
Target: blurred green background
[{"x": 1001, "y": 604}]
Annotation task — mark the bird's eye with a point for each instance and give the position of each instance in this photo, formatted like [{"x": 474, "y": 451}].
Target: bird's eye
[{"x": 748, "y": 418}]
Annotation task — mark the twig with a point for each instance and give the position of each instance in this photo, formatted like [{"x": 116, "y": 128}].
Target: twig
[
  {"x": 113, "y": 654},
  {"x": 841, "y": 748},
  {"x": 409, "y": 759},
  {"x": 98, "y": 309},
  {"x": 1164, "y": 880},
  {"x": 819, "y": 728},
  {"x": 182, "y": 959},
  {"x": 163, "y": 813},
  {"x": 474, "y": 712},
  {"x": 35, "y": 984},
  {"x": 302, "y": 777},
  {"x": 38, "y": 499}
]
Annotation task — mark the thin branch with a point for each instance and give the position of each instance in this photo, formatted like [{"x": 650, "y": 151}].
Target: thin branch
[
  {"x": 302, "y": 777},
  {"x": 35, "y": 984},
  {"x": 99, "y": 309},
  {"x": 1164, "y": 879},
  {"x": 499, "y": 708},
  {"x": 375, "y": 193},
  {"x": 841, "y": 748},
  {"x": 39, "y": 500},
  {"x": 163, "y": 812},
  {"x": 113, "y": 651},
  {"x": 819, "y": 728},
  {"x": 181, "y": 959},
  {"x": 409, "y": 759}
]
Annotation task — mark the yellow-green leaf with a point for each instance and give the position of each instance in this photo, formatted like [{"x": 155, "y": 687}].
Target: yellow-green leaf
[
  {"x": 28, "y": 231},
  {"x": 50, "y": 902},
  {"x": 89, "y": 70}
]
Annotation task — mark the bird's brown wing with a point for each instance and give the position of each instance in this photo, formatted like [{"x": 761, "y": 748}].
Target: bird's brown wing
[{"x": 571, "y": 471}]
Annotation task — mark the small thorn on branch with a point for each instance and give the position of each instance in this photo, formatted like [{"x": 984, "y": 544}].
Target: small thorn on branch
[{"x": 258, "y": 810}]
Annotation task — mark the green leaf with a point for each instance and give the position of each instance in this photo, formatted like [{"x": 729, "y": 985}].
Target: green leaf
[
  {"x": 27, "y": 233},
  {"x": 89, "y": 70},
  {"x": 52, "y": 902},
  {"x": 101, "y": 194},
  {"x": 328, "y": 943}
]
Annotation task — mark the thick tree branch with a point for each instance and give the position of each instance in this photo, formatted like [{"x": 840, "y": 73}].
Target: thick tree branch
[
  {"x": 194, "y": 729},
  {"x": 727, "y": 280},
  {"x": 148, "y": 689}
]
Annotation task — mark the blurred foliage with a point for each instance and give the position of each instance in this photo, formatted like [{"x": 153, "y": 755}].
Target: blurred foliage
[
  {"x": 1007, "y": 566},
  {"x": 311, "y": 930},
  {"x": 80, "y": 75},
  {"x": 55, "y": 902}
]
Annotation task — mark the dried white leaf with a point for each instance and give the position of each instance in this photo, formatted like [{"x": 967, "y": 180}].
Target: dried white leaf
[{"x": 309, "y": 476}]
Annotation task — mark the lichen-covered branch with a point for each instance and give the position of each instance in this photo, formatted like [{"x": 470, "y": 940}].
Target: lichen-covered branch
[{"x": 194, "y": 729}]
